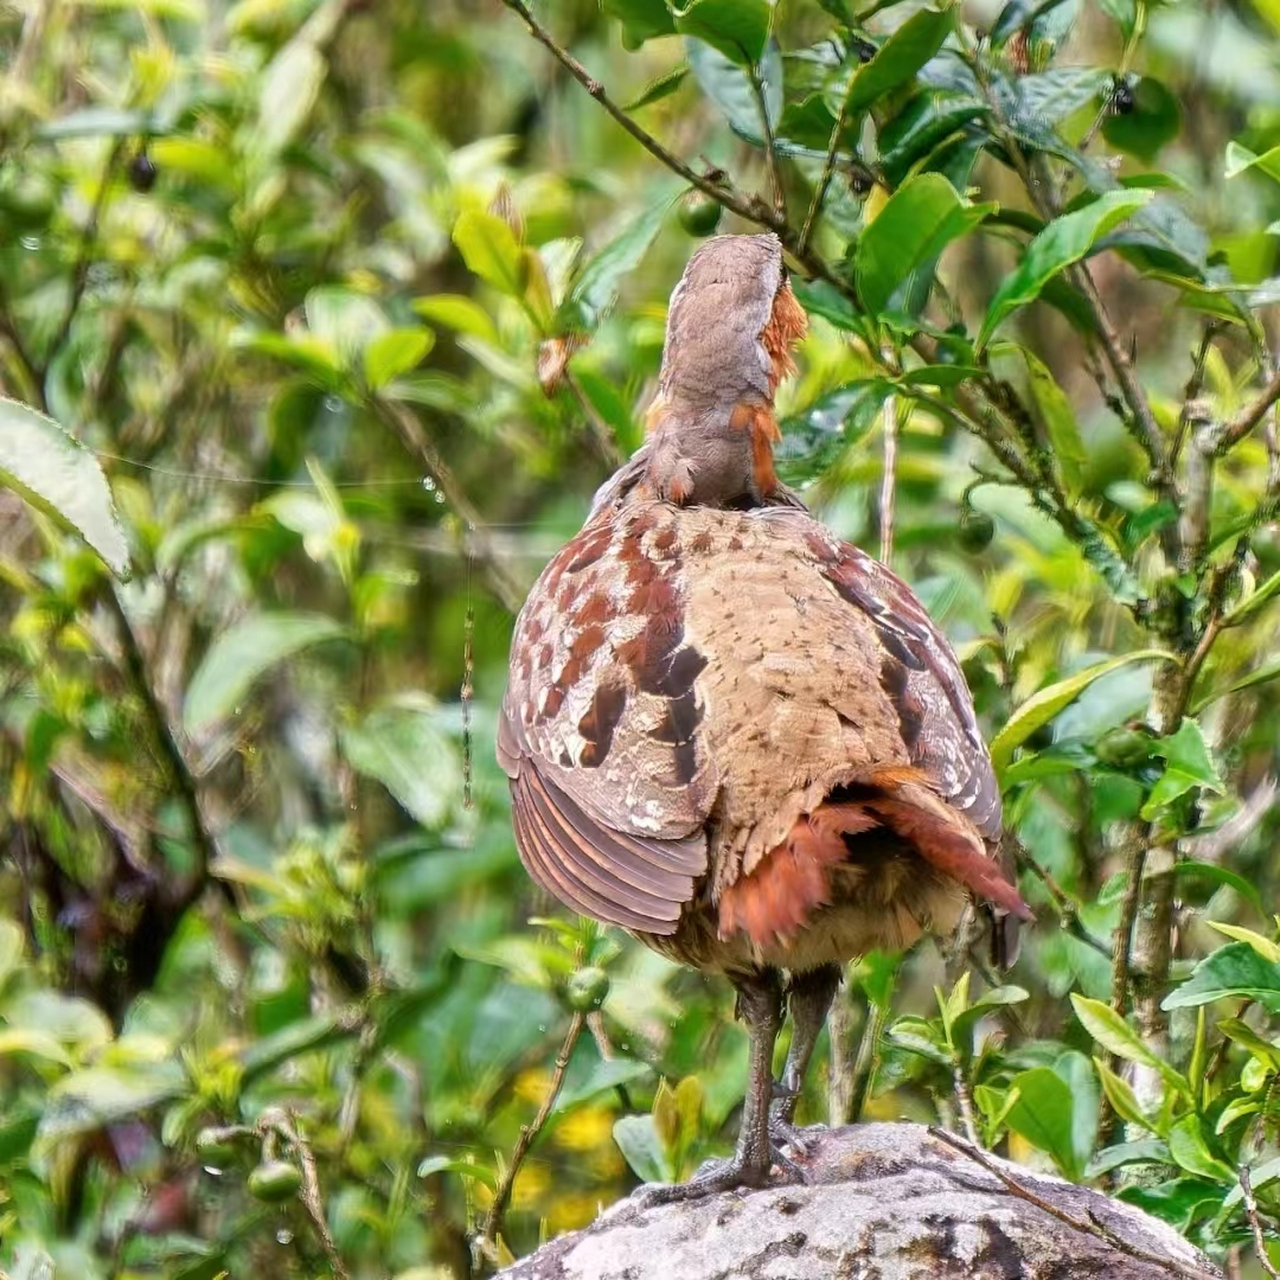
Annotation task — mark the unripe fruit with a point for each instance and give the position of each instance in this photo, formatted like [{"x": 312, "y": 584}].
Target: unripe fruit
[
  {"x": 275, "y": 1181},
  {"x": 1122, "y": 747},
  {"x": 699, "y": 213},
  {"x": 587, "y": 989},
  {"x": 976, "y": 529}
]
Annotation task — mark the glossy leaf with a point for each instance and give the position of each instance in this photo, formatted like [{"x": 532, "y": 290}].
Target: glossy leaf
[
  {"x": 739, "y": 29},
  {"x": 1233, "y": 971},
  {"x": 896, "y": 61},
  {"x": 1043, "y": 706},
  {"x": 1042, "y": 1115},
  {"x": 56, "y": 474},
  {"x": 488, "y": 247},
  {"x": 402, "y": 745},
  {"x": 1111, "y": 1031},
  {"x": 919, "y": 220},
  {"x": 729, "y": 86},
  {"x": 1064, "y": 241},
  {"x": 596, "y": 287},
  {"x": 244, "y": 652}
]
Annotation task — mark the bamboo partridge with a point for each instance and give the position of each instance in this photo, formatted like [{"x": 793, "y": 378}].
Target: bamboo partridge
[{"x": 728, "y": 731}]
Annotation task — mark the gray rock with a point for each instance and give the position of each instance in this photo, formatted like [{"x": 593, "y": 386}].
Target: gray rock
[{"x": 882, "y": 1202}]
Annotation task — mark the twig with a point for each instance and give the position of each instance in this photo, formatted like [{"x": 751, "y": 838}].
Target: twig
[
  {"x": 888, "y": 482},
  {"x": 84, "y": 256},
  {"x": 770, "y": 149},
  {"x": 487, "y": 1243},
  {"x": 840, "y": 1059},
  {"x": 1068, "y": 911},
  {"x": 1122, "y": 939},
  {"x": 866, "y": 1062},
  {"x": 963, "y": 1099},
  {"x": 1090, "y": 1226},
  {"x": 828, "y": 168},
  {"x": 1248, "y": 418},
  {"x": 312, "y": 1199},
  {"x": 601, "y": 436},
  {"x": 1192, "y": 390},
  {"x": 409, "y": 429},
  {"x": 1255, "y": 1223},
  {"x": 162, "y": 731},
  {"x": 753, "y": 208}
]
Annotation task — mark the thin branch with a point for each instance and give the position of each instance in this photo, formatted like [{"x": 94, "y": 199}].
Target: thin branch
[
  {"x": 964, "y": 1100},
  {"x": 770, "y": 149},
  {"x": 888, "y": 481},
  {"x": 601, "y": 436},
  {"x": 1255, "y": 1223},
  {"x": 1194, "y": 385},
  {"x": 477, "y": 541},
  {"x": 1122, "y": 939},
  {"x": 752, "y": 208},
  {"x": 1068, "y": 910},
  {"x": 487, "y": 1243},
  {"x": 84, "y": 255},
  {"x": 180, "y": 775},
  {"x": 1248, "y": 418},
  {"x": 9, "y": 331},
  {"x": 828, "y": 168},
  {"x": 312, "y": 1199},
  {"x": 1090, "y": 1226}
]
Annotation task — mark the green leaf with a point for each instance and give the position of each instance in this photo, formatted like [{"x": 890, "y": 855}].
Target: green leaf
[
  {"x": 402, "y": 745},
  {"x": 345, "y": 321},
  {"x": 996, "y": 998},
  {"x": 244, "y": 652},
  {"x": 603, "y": 1076},
  {"x": 1267, "y": 949},
  {"x": 1043, "y": 706},
  {"x": 395, "y": 352},
  {"x": 921, "y": 125},
  {"x": 1146, "y": 1151},
  {"x": 896, "y": 61},
  {"x": 596, "y": 287},
  {"x": 1220, "y": 875},
  {"x": 637, "y": 1139},
  {"x": 488, "y": 247},
  {"x": 98, "y": 1096},
  {"x": 1111, "y": 1031},
  {"x": 56, "y": 474},
  {"x": 730, "y": 87},
  {"x": 1240, "y": 159},
  {"x": 1241, "y": 1033},
  {"x": 739, "y": 29},
  {"x": 1018, "y": 15},
  {"x": 1191, "y": 1152},
  {"x": 917, "y": 222},
  {"x": 457, "y": 312},
  {"x": 832, "y": 424},
  {"x": 290, "y": 86},
  {"x": 68, "y": 1020},
  {"x": 1042, "y": 1115},
  {"x": 1187, "y": 751},
  {"x": 1124, "y": 1102},
  {"x": 641, "y": 19},
  {"x": 102, "y": 122},
  {"x": 821, "y": 298},
  {"x": 1250, "y": 605},
  {"x": 1059, "y": 418},
  {"x": 1235, "y": 971},
  {"x": 1153, "y": 122},
  {"x": 459, "y": 1165},
  {"x": 656, "y": 90},
  {"x": 1064, "y": 241}
]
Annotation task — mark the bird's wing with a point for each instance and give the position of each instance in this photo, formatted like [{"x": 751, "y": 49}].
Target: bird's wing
[
  {"x": 919, "y": 671},
  {"x": 611, "y": 786}
]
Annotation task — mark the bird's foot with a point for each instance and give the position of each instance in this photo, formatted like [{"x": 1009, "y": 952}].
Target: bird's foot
[{"x": 734, "y": 1174}]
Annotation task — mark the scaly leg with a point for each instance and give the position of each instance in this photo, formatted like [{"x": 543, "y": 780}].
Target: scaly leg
[
  {"x": 810, "y": 997},
  {"x": 760, "y": 1007}
]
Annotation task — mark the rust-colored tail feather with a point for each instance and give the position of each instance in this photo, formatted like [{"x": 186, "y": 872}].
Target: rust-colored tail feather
[{"x": 793, "y": 878}]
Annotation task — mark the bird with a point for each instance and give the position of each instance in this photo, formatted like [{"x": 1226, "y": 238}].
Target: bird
[{"x": 730, "y": 732}]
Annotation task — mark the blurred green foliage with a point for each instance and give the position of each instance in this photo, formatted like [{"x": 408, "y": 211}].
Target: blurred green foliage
[{"x": 353, "y": 306}]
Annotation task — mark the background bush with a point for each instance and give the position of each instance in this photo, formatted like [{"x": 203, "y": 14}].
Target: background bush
[{"x": 355, "y": 305}]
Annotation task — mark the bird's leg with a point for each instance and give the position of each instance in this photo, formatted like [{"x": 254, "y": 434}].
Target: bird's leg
[
  {"x": 759, "y": 1005},
  {"x": 810, "y": 997}
]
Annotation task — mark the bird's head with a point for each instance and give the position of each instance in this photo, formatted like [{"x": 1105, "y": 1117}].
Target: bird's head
[
  {"x": 732, "y": 323},
  {"x": 731, "y": 328}
]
